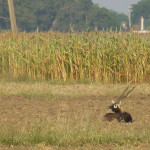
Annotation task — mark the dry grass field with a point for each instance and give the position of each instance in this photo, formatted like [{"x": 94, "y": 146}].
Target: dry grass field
[{"x": 43, "y": 116}]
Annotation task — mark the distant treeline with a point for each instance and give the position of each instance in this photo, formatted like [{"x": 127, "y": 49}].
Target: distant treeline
[
  {"x": 66, "y": 15},
  {"x": 60, "y": 15}
]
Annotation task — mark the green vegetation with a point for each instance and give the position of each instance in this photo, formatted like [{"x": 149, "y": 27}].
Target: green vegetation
[
  {"x": 142, "y": 8},
  {"x": 60, "y": 15},
  {"x": 66, "y": 134},
  {"x": 106, "y": 57},
  {"x": 50, "y": 91},
  {"x": 65, "y": 15}
]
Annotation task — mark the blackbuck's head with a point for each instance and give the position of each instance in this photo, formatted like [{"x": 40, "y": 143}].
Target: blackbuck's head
[{"x": 115, "y": 107}]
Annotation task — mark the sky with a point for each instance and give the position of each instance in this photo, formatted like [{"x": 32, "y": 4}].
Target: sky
[{"x": 120, "y": 6}]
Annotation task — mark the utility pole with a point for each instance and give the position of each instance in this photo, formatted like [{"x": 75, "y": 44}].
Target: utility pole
[
  {"x": 12, "y": 16},
  {"x": 129, "y": 16}
]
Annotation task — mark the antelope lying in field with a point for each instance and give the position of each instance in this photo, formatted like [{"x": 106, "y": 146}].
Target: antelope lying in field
[{"x": 118, "y": 113}]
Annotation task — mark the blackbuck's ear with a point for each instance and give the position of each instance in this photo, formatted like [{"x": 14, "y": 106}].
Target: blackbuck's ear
[{"x": 113, "y": 102}]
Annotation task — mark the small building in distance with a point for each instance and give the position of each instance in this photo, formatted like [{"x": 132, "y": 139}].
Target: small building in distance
[{"x": 140, "y": 28}]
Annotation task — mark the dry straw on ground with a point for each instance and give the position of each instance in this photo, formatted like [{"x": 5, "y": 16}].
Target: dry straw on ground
[{"x": 73, "y": 119}]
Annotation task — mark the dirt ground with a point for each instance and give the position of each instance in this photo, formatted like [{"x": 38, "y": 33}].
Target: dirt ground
[{"x": 22, "y": 110}]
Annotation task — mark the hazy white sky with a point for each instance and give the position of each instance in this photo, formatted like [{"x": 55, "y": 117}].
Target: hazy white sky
[{"x": 120, "y": 6}]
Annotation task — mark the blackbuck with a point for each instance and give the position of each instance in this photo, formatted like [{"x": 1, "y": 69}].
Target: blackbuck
[{"x": 117, "y": 111}]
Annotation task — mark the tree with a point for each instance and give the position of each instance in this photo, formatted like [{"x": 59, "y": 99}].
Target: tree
[
  {"x": 141, "y": 9},
  {"x": 4, "y": 13},
  {"x": 61, "y": 15},
  {"x": 73, "y": 15}
]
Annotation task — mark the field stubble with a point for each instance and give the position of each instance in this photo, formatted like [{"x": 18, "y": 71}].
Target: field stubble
[{"x": 71, "y": 117}]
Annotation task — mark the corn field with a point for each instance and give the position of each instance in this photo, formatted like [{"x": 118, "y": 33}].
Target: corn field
[{"x": 105, "y": 57}]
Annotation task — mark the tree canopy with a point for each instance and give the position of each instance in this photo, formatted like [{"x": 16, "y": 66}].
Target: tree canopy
[
  {"x": 60, "y": 15},
  {"x": 142, "y": 8}
]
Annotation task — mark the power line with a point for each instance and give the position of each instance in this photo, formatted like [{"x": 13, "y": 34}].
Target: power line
[{"x": 4, "y": 18}]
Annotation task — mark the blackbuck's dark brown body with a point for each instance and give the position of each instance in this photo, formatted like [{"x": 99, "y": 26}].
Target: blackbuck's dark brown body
[
  {"x": 112, "y": 116},
  {"x": 120, "y": 117}
]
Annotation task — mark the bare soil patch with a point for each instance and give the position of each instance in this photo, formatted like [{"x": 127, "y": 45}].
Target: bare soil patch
[{"x": 22, "y": 111}]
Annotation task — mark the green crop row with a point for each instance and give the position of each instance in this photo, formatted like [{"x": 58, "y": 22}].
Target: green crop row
[{"x": 106, "y": 57}]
